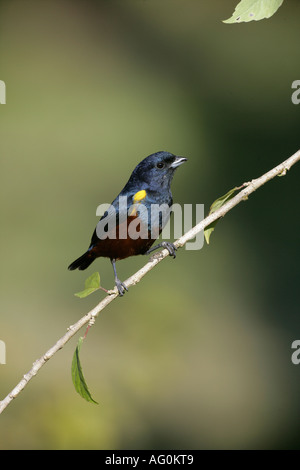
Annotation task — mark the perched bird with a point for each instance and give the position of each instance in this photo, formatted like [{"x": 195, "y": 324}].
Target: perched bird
[{"x": 131, "y": 225}]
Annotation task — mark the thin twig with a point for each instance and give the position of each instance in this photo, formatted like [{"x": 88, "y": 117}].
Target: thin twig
[{"x": 89, "y": 318}]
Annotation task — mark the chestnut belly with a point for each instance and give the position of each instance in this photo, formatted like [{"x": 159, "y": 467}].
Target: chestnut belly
[{"x": 117, "y": 248}]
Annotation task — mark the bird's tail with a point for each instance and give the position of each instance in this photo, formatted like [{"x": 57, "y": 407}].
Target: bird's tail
[{"x": 83, "y": 262}]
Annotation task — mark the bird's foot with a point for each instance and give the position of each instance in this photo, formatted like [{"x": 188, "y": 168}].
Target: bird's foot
[
  {"x": 170, "y": 247},
  {"x": 121, "y": 287}
]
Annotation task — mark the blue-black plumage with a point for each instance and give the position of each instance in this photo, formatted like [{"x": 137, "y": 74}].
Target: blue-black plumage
[{"x": 148, "y": 187}]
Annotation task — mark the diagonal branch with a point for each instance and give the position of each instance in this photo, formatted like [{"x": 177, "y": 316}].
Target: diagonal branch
[{"x": 90, "y": 317}]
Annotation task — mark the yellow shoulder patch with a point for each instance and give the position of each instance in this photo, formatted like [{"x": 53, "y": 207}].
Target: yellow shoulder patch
[{"x": 139, "y": 196}]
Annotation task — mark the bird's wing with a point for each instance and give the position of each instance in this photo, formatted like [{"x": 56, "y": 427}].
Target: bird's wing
[{"x": 114, "y": 216}]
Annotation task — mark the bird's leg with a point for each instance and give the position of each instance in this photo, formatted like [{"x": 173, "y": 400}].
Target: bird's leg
[
  {"x": 169, "y": 246},
  {"x": 120, "y": 286}
]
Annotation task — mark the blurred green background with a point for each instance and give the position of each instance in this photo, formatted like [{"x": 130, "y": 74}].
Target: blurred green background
[{"x": 198, "y": 355}]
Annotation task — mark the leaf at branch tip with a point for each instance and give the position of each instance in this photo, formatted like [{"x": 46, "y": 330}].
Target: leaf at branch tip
[
  {"x": 249, "y": 10},
  {"x": 77, "y": 375},
  {"x": 215, "y": 206},
  {"x": 91, "y": 285}
]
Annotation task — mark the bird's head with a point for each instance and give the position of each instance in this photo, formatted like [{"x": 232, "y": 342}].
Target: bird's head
[{"x": 157, "y": 170}]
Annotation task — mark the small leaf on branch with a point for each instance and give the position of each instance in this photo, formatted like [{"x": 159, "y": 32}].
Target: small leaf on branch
[
  {"x": 217, "y": 204},
  {"x": 249, "y": 10},
  {"x": 77, "y": 375},
  {"x": 91, "y": 285},
  {"x": 283, "y": 173}
]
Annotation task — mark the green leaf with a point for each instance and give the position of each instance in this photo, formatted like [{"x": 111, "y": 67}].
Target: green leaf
[
  {"x": 91, "y": 285},
  {"x": 221, "y": 200},
  {"x": 216, "y": 205},
  {"x": 209, "y": 230},
  {"x": 249, "y": 10},
  {"x": 77, "y": 375}
]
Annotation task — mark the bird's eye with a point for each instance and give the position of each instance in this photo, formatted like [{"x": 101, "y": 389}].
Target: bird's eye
[{"x": 160, "y": 165}]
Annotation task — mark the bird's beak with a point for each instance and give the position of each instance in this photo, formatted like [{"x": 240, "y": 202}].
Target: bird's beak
[{"x": 178, "y": 161}]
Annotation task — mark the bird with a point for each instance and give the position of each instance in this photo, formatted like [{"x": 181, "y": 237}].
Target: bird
[{"x": 130, "y": 226}]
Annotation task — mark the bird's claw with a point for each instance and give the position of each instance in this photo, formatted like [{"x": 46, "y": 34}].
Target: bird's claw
[
  {"x": 167, "y": 245},
  {"x": 170, "y": 247},
  {"x": 121, "y": 287}
]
